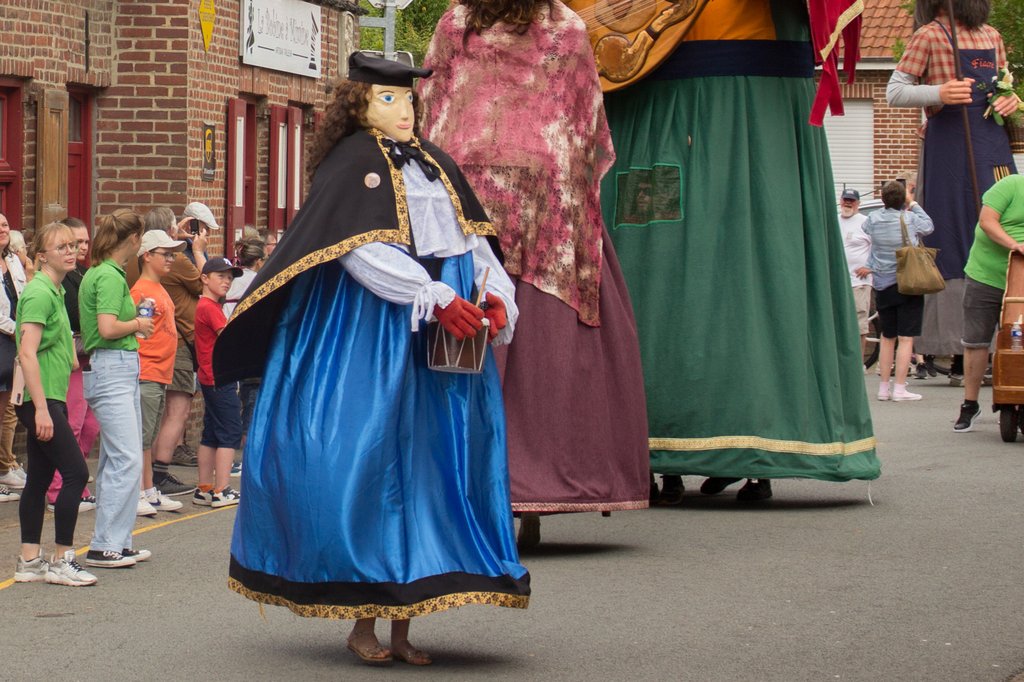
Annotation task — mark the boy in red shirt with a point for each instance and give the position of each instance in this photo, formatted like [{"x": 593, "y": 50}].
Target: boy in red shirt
[
  {"x": 222, "y": 419},
  {"x": 156, "y": 357}
]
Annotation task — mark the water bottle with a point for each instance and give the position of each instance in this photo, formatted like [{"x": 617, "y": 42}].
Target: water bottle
[
  {"x": 1016, "y": 337},
  {"x": 145, "y": 308}
]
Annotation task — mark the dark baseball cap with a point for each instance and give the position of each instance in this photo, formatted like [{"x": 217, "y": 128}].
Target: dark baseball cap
[
  {"x": 221, "y": 265},
  {"x": 851, "y": 194}
]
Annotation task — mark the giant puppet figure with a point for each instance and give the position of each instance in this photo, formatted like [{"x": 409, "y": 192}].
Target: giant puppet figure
[
  {"x": 373, "y": 485},
  {"x": 721, "y": 209},
  {"x": 532, "y": 138},
  {"x": 926, "y": 77}
]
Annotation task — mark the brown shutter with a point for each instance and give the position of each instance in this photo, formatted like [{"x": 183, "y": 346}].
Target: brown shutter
[{"x": 52, "y": 158}]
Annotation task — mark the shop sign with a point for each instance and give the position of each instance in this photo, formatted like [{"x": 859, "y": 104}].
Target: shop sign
[{"x": 283, "y": 35}]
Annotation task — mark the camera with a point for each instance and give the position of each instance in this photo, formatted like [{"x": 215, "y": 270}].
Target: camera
[{"x": 194, "y": 225}]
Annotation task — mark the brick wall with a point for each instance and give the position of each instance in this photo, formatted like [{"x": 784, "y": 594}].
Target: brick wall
[
  {"x": 45, "y": 44},
  {"x": 217, "y": 75},
  {"x": 895, "y": 143},
  {"x": 141, "y": 124}
]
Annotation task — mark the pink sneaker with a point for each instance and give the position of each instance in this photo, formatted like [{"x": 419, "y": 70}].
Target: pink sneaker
[{"x": 883, "y": 391}]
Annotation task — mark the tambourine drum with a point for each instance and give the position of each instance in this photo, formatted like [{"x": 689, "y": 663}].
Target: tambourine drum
[{"x": 445, "y": 353}]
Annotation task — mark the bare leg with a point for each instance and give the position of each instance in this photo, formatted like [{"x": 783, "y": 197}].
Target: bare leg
[
  {"x": 402, "y": 649},
  {"x": 975, "y": 361},
  {"x": 886, "y": 351},
  {"x": 225, "y": 457},
  {"x": 172, "y": 426},
  {"x": 362, "y": 641},
  {"x": 207, "y": 457},
  {"x": 903, "y": 353}
]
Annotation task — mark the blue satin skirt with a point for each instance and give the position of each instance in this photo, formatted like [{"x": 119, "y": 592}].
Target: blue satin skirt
[{"x": 373, "y": 486}]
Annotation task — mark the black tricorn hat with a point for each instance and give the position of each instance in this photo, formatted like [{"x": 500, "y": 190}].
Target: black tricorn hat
[{"x": 380, "y": 71}]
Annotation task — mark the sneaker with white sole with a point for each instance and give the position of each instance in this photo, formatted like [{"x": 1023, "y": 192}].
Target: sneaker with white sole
[
  {"x": 162, "y": 503},
  {"x": 144, "y": 508},
  {"x": 203, "y": 499},
  {"x": 138, "y": 554},
  {"x": 225, "y": 498},
  {"x": 172, "y": 486},
  {"x": 88, "y": 503},
  {"x": 31, "y": 571},
  {"x": 12, "y": 480},
  {"x": 6, "y": 495},
  {"x": 236, "y": 470},
  {"x": 67, "y": 571},
  {"x": 969, "y": 414},
  {"x": 884, "y": 392},
  {"x": 901, "y": 393},
  {"x": 108, "y": 558}
]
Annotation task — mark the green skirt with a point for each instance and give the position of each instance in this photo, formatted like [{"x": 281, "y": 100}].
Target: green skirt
[{"x": 721, "y": 211}]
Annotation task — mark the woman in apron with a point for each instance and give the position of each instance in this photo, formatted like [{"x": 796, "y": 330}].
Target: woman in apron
[{"x": 926, "y": 77}]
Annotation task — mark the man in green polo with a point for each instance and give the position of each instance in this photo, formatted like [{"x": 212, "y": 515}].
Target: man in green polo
[{"x": 1000, "y": 231}]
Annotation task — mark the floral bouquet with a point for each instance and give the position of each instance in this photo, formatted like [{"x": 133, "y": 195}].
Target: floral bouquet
[{"x": 1002, "y": 86}]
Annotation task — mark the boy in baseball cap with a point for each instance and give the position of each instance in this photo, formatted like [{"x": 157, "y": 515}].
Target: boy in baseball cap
[{"x": 222, "y": 419}]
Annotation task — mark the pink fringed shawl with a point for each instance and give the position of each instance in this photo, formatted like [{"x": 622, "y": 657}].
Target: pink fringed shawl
[{"x": 523, "y": 116}]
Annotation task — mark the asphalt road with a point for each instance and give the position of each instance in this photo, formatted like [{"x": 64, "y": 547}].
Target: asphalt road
[{"x": 818, "y": 584}]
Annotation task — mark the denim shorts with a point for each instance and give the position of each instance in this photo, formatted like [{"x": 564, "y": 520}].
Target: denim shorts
[{"x": 222, "y": 418}]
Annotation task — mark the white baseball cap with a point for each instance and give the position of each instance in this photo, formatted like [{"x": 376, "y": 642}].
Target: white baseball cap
[
  {"x": 155, "y": 239},
  {"x": 199, "y": 210}
]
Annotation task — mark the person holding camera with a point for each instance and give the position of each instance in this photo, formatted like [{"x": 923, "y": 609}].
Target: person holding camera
[{"x": 900, "y": 315}]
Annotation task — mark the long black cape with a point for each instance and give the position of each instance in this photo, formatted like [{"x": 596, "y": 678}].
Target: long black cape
[{"x": 357, "y": 197}]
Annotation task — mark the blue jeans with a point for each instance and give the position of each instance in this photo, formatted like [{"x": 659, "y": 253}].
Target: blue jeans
[{"x": 111, "y": 388}]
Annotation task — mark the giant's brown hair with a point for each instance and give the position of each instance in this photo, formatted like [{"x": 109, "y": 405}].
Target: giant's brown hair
[
  {"x": 112, "y": 230},
  {"x": 483, "y": 14},
  {"x": 345, "y": 115},
  {"x": 970, "y": 13}
]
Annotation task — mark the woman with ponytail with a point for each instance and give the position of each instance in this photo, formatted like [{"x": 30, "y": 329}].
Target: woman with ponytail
[{"x": 111, "y": 386}]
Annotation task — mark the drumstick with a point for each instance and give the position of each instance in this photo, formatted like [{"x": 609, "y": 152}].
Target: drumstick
[{"x": 480, "y": 294}]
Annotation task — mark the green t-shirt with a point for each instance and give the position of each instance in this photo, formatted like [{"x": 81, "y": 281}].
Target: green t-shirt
[
  {"x": 987, "y": 260},
  {"x": 105, "y": 290},
  {"x": 42, "y": 303}
]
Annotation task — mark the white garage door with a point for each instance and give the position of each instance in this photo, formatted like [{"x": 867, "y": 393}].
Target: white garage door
[{"x": 851, "y": 144}]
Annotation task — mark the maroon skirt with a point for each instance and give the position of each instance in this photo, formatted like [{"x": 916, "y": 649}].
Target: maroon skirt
[{"x": 575, "y": 405}]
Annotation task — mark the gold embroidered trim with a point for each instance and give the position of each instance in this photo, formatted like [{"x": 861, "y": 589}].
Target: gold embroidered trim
[
  {"x": 844, "y": 19},
  {"x": 579, "y": 507},
  {"x": 403, "y": 235},
  {"x": 315, "y": 258},
  {"x": 467, "y": 226},
  {"x": 423, "y": 608},
  {"x": 791, "y": 447}
]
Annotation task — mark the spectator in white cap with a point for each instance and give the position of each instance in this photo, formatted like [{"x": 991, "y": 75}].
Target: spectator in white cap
[
  {"x": 156, "y": 355},
  {"x": 202, "y": 212}
]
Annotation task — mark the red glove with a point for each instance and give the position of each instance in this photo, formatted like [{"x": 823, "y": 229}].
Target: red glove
[
  {"x": 461, "y": 318},
  {"x": 495, "y": 313}
]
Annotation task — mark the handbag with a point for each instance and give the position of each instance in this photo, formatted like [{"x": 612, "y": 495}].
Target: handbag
[{"x": 916, "y": 272}]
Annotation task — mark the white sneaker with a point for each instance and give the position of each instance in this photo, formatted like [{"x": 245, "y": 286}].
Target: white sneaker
[
  {"x": 144, "y": 508},
  {"x": 87, "y": 504},
  {"x": 31, "y": 571},
  {"x": 904, "y": 394},
  {"x": 12, "y": 480},
  {"x": 6, "y": 495},
  {"x": 162, "y": 503},
  {"x": 67, "y": 571}
]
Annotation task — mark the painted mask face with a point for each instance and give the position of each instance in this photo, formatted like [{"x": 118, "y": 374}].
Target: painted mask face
[{"x": 390, "y": 111}]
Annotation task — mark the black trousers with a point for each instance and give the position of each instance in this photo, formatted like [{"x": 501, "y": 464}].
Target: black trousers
[{"x": 60, "y": 453}]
